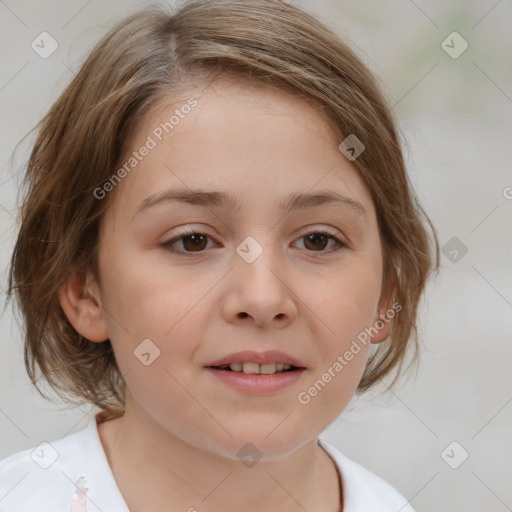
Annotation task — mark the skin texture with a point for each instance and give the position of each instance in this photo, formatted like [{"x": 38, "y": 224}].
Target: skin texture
[{"x": 176, "y": 446}]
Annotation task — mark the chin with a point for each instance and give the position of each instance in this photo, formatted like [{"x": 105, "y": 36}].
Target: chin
[{"x": 264, "y": 444}]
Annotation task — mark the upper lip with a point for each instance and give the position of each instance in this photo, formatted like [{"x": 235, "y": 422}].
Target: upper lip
[{"x": 250, "y": 356}]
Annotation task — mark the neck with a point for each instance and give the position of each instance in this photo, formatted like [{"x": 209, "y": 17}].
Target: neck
[{"x": 157, "y": 470}]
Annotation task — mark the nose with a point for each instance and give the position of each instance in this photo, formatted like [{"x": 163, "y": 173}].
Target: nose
[{"x": 260, "y": 291}]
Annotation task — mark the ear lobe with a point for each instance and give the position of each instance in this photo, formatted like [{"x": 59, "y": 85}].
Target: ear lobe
[
  {"x": 80, "y": 300},
  {"x": 383, "y": 333},
  {"x": 383, "y": 322}
]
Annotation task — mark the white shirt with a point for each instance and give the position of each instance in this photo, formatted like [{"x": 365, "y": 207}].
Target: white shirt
[{"x": 47, "y": 479}]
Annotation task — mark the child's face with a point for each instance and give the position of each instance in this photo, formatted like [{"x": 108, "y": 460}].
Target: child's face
[{"x": 306, "y": 297}]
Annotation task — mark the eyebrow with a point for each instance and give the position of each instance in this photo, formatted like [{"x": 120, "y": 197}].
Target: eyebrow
[{"x": 215, "y": 199}]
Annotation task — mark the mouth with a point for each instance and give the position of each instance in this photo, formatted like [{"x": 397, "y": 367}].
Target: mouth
[
  {"x": 252, "y": 362},
  {"x": 253, "y": 380},
  {"x": 254, "y": 372},
  {"x": 257, "y": 369}
]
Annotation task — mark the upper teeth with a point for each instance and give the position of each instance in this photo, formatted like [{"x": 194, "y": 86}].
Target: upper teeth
[{"x": 253, "y": 368}]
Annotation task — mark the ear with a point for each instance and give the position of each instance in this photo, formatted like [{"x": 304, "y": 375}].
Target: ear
[
  {"x": 383, "y": 320},
  {"x": 80, "y": 300}
]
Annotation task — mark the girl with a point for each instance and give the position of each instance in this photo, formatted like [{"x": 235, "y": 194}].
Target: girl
[{"x": 219, "y": 246}]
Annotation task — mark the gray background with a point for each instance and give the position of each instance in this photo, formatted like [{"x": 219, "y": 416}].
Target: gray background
[{"x": 456, "y": 117}]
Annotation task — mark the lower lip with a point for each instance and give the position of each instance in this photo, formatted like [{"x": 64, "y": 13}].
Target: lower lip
[{"x": 256, "y": 383}]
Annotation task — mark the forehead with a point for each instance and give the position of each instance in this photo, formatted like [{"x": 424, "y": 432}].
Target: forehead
[{"x": 244, "y": 138}]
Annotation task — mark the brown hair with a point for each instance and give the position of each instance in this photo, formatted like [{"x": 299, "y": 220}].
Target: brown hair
[{"x": 83, "y": 137}]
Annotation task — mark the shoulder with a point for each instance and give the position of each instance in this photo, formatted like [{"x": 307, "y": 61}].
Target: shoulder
[
  {"x": 363, "y": 490},
  {"x": 40, "y": 474},
  {"x": 50, "y": 476}
]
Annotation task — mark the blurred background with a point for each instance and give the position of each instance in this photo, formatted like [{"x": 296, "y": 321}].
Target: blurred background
[{"x": 443, "y": 436}]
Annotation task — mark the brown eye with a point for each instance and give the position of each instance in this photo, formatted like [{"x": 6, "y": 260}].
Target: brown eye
[
  {"x": 194, "y": 242},
  {"x": 191, "y": 242},
  {"x": 318, "y": 241}
]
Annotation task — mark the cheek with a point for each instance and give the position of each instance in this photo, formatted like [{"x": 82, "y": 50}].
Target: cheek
[
  {"x": 345, "y": 309},
  {"x": 145, "y": 302},
  {"x": 152, "y": 326},
  {"x": 346, "y": 304}
]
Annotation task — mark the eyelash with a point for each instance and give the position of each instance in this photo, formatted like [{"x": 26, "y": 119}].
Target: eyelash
[{"x": 167, "y": 245}]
